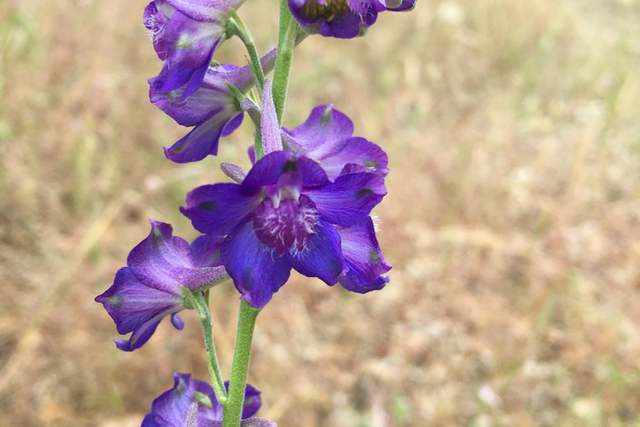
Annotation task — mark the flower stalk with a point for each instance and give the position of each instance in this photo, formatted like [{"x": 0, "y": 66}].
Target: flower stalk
[
  {"x": 236, "y": 26},
  {"x": 232, "y": 407},
  {"x": 202, "y": 307},
  {"x": 287, "y": 34}
]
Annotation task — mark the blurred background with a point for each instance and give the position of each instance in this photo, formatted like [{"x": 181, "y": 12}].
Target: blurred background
[{"x": 512, "y": 220}]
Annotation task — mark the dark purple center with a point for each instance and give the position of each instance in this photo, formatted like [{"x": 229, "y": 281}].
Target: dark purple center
[
  {"x": 327, "y": 11},
  {"x": 285, "y": 217}
]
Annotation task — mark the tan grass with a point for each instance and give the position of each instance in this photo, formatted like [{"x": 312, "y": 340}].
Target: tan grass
[{"x": 512, "y": 219}]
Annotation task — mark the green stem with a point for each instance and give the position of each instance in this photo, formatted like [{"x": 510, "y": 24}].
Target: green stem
[
  {"x": 287, "y": 34},
  {"x": 237, "y": 27},
  {"x": 202, "y": 307},
  {"x": 232, "y": 408}
]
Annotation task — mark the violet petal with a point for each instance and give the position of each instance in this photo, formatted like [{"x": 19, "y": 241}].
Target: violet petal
[
  {"x": 257, "y": 272},
  {"x": 349, "y": 198},
  {"x": 322, "y": 258},
  {"x": 216, "y": 209}
]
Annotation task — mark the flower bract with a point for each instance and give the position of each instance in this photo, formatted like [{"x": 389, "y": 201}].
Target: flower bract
[
  {"x": 159, "y": 270},
  {"x": 174, "y": 407},
  {"x": 342, "y": 19}
]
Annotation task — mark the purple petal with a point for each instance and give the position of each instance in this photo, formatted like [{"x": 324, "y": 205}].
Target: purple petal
[
  {"x": 364, "y": 258},
  {"x": 205, "y": 251},
  {"x": 324, "y": 133},
  {"x": 198, "y": 108},
  {"x": 171, "y": 77},
  {"x": 178, "y": 81},
  {"x": 322, "y": 258},
  {"x": 206, "y": 10},
  {"x": 163, "y": 262},
  {"x": 312, "y": 174},
  {"x": 355, "y": 282},
  {"x": 232, "y": 125},
  {"x": 357, "y": 151},
  {"x": 257, "y": 272},
  {"x": 139, "y": 337},
  {"x": 350, "y": 198},
  {"x": 148, "y": 421},
  {"x": 216, "y": 209},
  {"x": 199, "y": 143},
  {"x": 270, "y": 128},
  {"x": 191, "y": 43},
  {"x": 137, "y": 308},
  {"x": 252, "y": 401},
  {"x": 156, "y": 17},
  {"x": 268, "y": 170}
]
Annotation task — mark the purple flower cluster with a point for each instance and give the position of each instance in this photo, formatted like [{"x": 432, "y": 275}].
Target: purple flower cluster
[
  {"x": 306, "y": 208},
  {"x": 306, "y": 203},
  {"x": 192, "y": 91}
]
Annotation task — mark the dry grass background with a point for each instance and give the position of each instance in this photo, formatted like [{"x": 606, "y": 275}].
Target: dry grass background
[{"x": 512, "y": 220}]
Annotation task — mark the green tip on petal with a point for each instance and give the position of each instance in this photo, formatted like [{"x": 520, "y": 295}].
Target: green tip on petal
[
  {"x": 202, "y": 399},
  {"x": 181, "y": 386},
  {"x": 327, "y": 116},
  {"x": 115, "y": 301},
  {"x": 183, "y": 43}
]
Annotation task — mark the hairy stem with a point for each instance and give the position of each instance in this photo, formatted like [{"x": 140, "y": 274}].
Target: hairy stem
[
  {"x": 287, "y": 35},
  {"x": 202, "y": 307},
  {"x": 232, "y": 409}
]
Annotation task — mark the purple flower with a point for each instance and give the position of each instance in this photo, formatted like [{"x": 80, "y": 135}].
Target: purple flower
[
  {"x": 191, "y": 400},
  {"x": 326, "y": 137},
  {"x": 150, "y": 287},
  {"x": 343, "y": 19},
  {"x": 285, "y": 214},
  {"x": 212, "y": 109},
  {"x": 185, "y": 35}
]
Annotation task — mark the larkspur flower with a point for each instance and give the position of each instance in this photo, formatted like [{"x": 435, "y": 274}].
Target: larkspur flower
[
  {"x": 342, "y": 19},
  {"x": 151, "y": 287},
  {"x": 191, "y": 400},
  {"x": 280, "y": 232},
  {"x": 283, "y": 215},
  {"x": 326, "y": 137},
  {"x": 213, "y": 109},
  {"x": 185, "y": 35}
]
